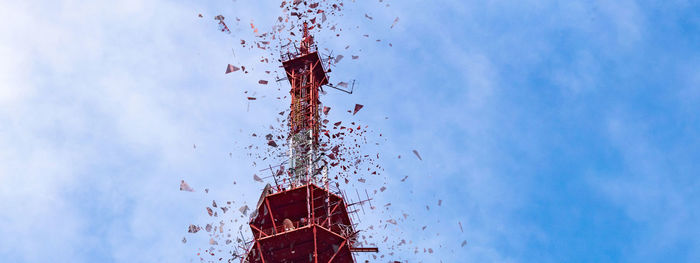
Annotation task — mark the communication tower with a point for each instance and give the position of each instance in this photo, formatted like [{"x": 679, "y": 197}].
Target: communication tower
[{"x": 301, "y": 219}]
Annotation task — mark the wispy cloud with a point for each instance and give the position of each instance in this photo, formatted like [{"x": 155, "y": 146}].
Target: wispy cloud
[{"x": 544, "y": 127}]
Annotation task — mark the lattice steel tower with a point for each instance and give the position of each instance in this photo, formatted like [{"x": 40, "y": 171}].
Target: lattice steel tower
[{"x": 302, "y": 219}]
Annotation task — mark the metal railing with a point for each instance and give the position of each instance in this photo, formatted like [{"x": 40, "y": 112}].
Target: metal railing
[{"x": 294, "y": 52}]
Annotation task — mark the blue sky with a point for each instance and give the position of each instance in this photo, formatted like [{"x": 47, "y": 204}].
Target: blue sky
[{"x": 552, "y": 131}]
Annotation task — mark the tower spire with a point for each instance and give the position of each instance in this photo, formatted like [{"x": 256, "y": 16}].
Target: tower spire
[
  {"x": 307, "y": 40},
  {"x": 306, "y": 76}
]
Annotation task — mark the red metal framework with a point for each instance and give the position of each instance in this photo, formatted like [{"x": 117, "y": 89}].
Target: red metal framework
[
  {"x": 299, "y": 221},
  {"x": 304, "y": 224},
  {"x": 306, "y": 75}
]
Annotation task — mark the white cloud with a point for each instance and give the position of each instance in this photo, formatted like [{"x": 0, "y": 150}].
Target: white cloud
[
  {"x": 99, "y": 110},
  {"x": 651, "y": 188}
]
